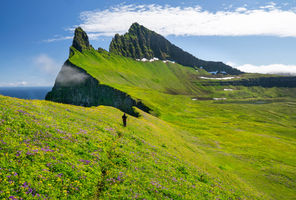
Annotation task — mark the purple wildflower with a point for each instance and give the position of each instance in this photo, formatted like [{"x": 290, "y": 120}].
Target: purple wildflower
[
  {"x": 30, "y": 190},
  {"x": 3, "y": 142},
  {"x": 46, "y": 149},
  {"x": 25, "y": 185},
  {"x": 30, "y": 154},
  {"x": 18, "y": 153},
  {"x": 86, "y": 162},
  {"x": 23, "y": 112}
]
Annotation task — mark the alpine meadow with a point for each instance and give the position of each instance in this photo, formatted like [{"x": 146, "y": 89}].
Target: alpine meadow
[{"x": 195, "y": 129}]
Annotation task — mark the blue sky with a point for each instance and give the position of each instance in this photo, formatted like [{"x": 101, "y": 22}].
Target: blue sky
[{"x": 255, "y": 36}]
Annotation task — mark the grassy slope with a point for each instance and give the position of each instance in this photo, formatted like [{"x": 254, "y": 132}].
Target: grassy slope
[
  {"x": 251, "y": 136},
  {"x": 123, "y": 72},
  {"x": 242, "y": 148},
  {"x": 63, "y": 151}
]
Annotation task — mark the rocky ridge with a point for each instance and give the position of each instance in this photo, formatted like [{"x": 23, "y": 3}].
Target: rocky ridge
[{"x": 140, "y": 42}]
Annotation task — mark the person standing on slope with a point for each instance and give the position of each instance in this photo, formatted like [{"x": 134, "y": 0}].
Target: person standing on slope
[{"x": 124, "y": 117}]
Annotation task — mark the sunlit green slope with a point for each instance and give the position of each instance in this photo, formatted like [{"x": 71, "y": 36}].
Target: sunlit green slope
[
  {"x": 251, "y": 135},
  {"x": 57, "y": 151},
  {"x": 199, "y": 150},
  {"x": 122, "y": 72},
  {"x": 240, "y": 148}
]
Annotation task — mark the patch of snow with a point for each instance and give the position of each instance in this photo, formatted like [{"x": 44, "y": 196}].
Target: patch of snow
[
  {"x": 217, "y": 99},
  {"x": 153, "y": 59},
  {"x": 165, "y": 61},
  {"x": 227, "y": 89},
  {"x": 224, "y": 78},
  {"x": 146, "y": 60}
]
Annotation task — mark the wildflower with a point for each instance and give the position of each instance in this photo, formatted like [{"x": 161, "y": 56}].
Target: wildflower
[
  {"x": 86, "y": 162},
  {"x": 30, "y": 154},
  {"x": 25, "y": 185},
  {"x": 30, "y": 190},
  {"x": 23, "y": 112},
  {"x": 3, "y": 142},
  {"x": 18, "y": 153}
]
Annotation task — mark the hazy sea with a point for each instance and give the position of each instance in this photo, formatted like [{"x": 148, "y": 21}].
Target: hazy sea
[{"x": 25, "y": 92}]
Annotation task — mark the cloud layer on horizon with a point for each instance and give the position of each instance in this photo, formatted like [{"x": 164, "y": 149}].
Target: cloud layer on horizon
[
  {"x": 14, "y": 84},
  {"x": 191, "y": 21},
  {"x": 267, "y": 69}
]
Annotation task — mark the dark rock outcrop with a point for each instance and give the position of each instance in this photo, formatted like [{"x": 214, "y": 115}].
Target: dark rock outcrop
[
  {"x": 141, "y": 42},
  {"x": 75, "y": 86},
  {"x": 80, "y": 41},
  {"x": 281, "y": 81}
]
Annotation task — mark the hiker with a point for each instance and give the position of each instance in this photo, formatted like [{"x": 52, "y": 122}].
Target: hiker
[{"x": 124, "y": 119}]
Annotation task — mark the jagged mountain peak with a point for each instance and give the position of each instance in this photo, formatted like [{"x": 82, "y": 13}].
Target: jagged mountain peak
[
  {"x": 135, "y": 25},
  {"x": 135, "y": 28},
  {"x": 140, "y": 42},
  {"x": 81, "y": 41}
]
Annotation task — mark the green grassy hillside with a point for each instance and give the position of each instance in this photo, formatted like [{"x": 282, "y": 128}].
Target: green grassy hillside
[
  {"x": 251, "y": 135},
  {"x": 200, "y": 150},
  {"x": 240, "y": 148},
  {"x": 121, "y": 72},
  {"x": 57, "y": 151},
  {"x": 142, "y": 80}
]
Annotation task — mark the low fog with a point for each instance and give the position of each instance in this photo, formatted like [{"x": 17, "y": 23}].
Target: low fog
[{"x": 69, "y": 76}]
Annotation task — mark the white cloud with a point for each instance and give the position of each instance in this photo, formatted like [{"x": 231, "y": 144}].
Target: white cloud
[
  {"x": 46, "y": 64},
  {"x": 58, "y": 38},
  {"x": 270, "y": 5},
  {"x": 15, "y": 84},
  {"x": 168, "y": 20},
  {"x": 267, "y": 69},
  {"x": 241, "y": 9}
]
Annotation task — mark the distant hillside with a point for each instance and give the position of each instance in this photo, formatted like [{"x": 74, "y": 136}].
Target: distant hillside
[{"x": 141, "y": 42}]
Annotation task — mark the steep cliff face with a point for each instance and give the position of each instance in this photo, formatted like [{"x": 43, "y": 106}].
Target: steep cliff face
[
  {"x": 141, "y": 42},
  {"x": 75, "y": 86},
  {"x": 283, "y": 81}
]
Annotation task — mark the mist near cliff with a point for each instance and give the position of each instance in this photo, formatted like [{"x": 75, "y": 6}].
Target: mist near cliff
[{"x": 69, "y": 76}]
